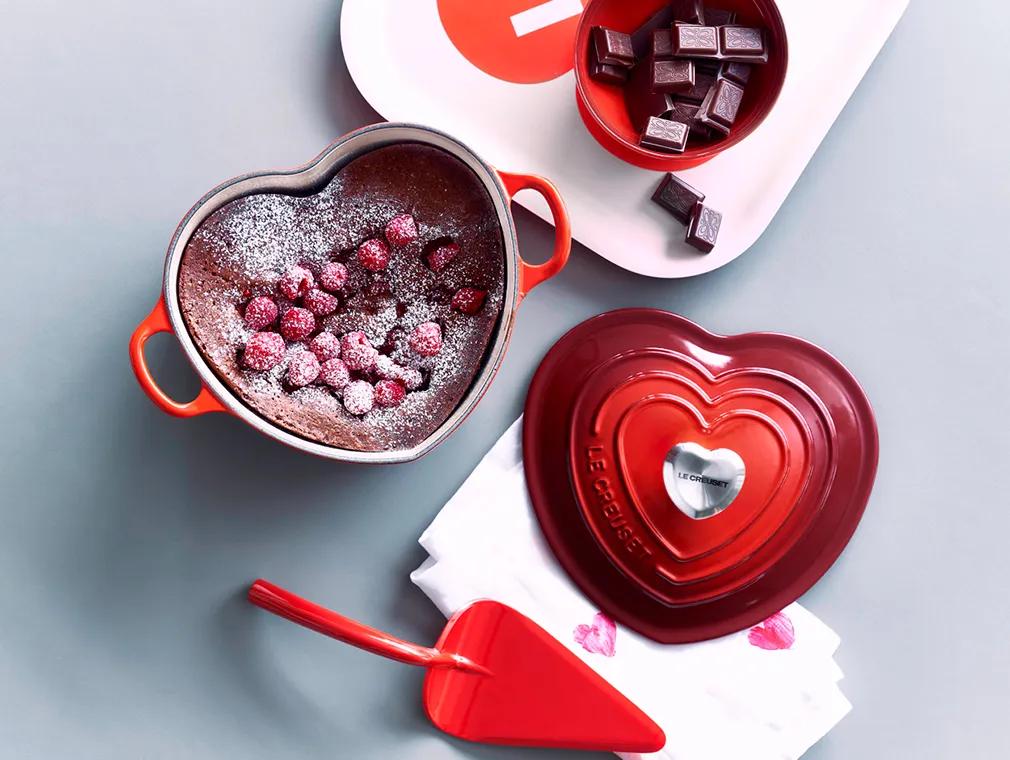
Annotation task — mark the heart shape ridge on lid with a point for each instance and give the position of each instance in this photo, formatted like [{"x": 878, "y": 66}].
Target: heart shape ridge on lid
[
  {"x": 649, "y": 404},
  {"x": 702, "y": 483},
  {"x": 608, "y": 403}
]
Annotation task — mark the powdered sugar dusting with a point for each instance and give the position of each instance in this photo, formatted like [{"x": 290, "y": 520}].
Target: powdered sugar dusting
[
  {"x": 244, "y": 248},
  {"x": 359, "y": 397}
]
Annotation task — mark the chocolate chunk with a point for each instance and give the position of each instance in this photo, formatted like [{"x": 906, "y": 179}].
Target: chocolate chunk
[
  {"x": 639, "y": 98},
  {"x": 672, "y": 76},
  {"x": 664, "y": 135},
  {"x": 700, "y": 134},
  {"x": 689, "y": 11},
  {"x": 682, "y": 111},
  {"x": 692, "y": 73},
  {"x": 697, "y": 41},
  {"x": 688, "y": 114},
  {"x": 703, "y": 82},
  {"x": 736, "y": 72},
  {"x": 720, "y": 107},
  {"x": 703, "y": 228},
  {"x": 677, "y": 197},
  {"x": 662, "y": 43},
  {"x": 742, "y": 43},
  {"x": 613, "y": 48},
  {"x": 719, "y": 17},
  {"x": 604, "y": 72},
  {"x": 641, "y": 38}
]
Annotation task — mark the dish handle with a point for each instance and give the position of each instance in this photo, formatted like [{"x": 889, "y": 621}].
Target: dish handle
[
  {"x": 157, "y": 322},
  {"x": 531, "y": 275}
]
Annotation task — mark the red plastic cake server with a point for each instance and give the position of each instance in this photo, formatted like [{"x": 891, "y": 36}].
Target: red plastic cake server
[{"x": 494, "y": 676}]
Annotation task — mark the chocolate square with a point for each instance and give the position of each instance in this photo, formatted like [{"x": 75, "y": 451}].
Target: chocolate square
[
  {"x": 688, "y": 11},
  {"x": 613, "y": 48},
  {"x": 604, "y": 72},
  {"x": 701, "y": 41},
  {"x": 677, "y": 197},
  {"x": 641, "y": 101},
  {"x": 703, "y": 228},
  {"x": 688, "y": 114},
  {"x": 720, "y": 107},
  {"x": 719, "y": 17},
  {"x": 641, "y": 38},
  {"x": 672, "y": 76},
  {"x": 664, "y": 135},
  {"x": 682, "y": 111},
  {"x": 703, "y": 82},
  {"x": 737, "y": 72},
  {"x": 662, "y": 43},
  {"x": 742, "y": 43}
]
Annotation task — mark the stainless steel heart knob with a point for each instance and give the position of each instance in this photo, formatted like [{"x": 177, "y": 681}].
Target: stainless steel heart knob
[{"x": 702, "y": 483}]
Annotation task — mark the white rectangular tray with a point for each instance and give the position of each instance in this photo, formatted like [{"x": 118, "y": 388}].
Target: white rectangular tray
[{"x": 408, "y": 69}]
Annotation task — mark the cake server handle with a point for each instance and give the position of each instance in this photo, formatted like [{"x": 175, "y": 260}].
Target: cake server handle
[
  {"x": 157, "y": 322},
  {"x": 291, "y": 607},
  {"x": 531, "y": 275}
]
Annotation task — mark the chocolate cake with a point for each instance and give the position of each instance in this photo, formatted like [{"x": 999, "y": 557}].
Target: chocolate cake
[{"x": 357, "y": 316}]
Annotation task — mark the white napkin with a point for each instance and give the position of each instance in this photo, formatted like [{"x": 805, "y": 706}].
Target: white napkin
[{"x": 720, "y": 699}]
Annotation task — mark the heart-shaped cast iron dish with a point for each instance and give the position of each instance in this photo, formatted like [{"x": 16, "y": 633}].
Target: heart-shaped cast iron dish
[
  {"x": 520, "y": 278},
  {"x": 694, "y": 484}
]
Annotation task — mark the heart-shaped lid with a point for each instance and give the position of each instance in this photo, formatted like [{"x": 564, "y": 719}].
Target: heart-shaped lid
[{"x": 693, "y": 484}]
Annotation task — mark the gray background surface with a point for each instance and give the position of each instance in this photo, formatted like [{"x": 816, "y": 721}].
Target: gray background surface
[{"x": 127, "y": 537}]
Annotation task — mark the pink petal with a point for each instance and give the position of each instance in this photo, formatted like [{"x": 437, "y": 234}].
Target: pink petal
[
  {"x": 608, "y": 632},
  {"x": 599, "y": 638},
  {"x": 774, "y": 633}
]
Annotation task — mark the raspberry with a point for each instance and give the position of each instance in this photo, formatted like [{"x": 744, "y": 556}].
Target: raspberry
[
  {"x": 359, "y": 397},
  {"x": 296, "y": 282},
  {"x": 260, "y": 312},
  {"x": 469, "y": 300},
  {"x": 303, "y": 368},
  {"x": 439, "y": 258},
  {"x": 386, "y": 369},
  {"x": 333, "y": 276},
  {"x": 320, "y": 303},
  {"x": 297, "y": 324},
  {"x": 410, "y": 377},
  {"x": 263, "y": 351},
  {"x": 389, "y": 393},
  {"x": 325, "y": 346},
  {"x": 373, "y": 255},
  {"x": 335, "y": 374},
  {"x": 426, "y": 339},
  {"x": 357, "y": 352},
  {"x": 401, "y": 230}
]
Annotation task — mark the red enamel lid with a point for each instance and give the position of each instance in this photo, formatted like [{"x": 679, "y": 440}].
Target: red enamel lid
[{"x": 693, "y": 484}]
